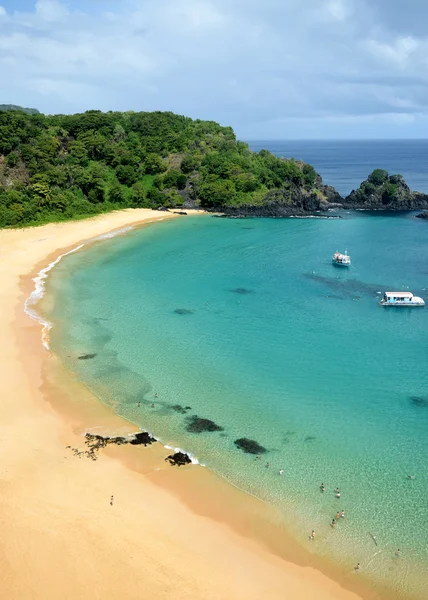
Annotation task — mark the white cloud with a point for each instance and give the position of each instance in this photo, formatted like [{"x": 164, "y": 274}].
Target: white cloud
[
  {"x": 51, "y": 11},
  {"x": 337, "y": 9},
  {"x": 257, "y": 66}
]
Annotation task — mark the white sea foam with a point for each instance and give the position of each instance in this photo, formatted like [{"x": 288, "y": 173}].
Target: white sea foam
[
  {"x": 192, "y": 457},
  {"x": 112, "y": 234},
  {"x": 38, "y": 293}
]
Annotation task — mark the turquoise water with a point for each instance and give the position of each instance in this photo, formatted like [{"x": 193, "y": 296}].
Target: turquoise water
[{"x": 278, "y": 345}]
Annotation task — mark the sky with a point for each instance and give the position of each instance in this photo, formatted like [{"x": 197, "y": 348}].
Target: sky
[{"x": 272, "y": 69}]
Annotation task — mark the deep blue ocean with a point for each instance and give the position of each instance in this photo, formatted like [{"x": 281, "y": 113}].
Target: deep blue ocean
[
  {"x": 345, "y": 164},
  {"x": 249, "y": 324}
]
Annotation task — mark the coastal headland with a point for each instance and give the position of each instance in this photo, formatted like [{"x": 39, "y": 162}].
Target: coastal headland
[{"x": 128, "y": 524}]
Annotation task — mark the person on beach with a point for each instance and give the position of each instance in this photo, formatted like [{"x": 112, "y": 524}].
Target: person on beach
[
  {"x": 398, "y": 553},
  {"x": 322, "y": 487},
  {"x": 357, "y": 568},
  {"x": 281, "y": 471},
  {"x": 312, "y": 536},
  {"x": 111, "y": 501},
  {"x": 342, "y": 514}
]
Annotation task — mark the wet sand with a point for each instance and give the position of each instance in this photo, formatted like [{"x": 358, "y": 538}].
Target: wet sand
[{"x": 178, "y": 533}]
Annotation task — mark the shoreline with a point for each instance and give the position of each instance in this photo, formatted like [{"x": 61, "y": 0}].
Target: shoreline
[{"x": 241, "y": 556}]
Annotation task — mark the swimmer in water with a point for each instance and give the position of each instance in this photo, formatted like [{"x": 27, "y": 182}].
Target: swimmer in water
[
  {"x": 138, "y": 405},
  {"x": 337, "y": 494},
  {"x": 281, "y": 471},
  {"x": 267, "y": 464},
  {"x": 342, "y": 514},
  {"x": 398, "y": 553},
  {"x": 156, "y": 395},
  {"x": 333, "y": 523},
  {"x": 322, "y": 487},
  {"x": 357, "y": 568},
  {"x": 337, "y": 516},
  {"x": 312, "y": 536}
]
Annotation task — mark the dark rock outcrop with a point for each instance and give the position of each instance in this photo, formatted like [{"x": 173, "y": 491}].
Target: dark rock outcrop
[
  {"x": 86, "y": 356},
  {"x": 381, "y": 191},
  {"x": 143, "y": 438},
  {"x": 96, "y": 442},
  {"x": 249, "y": 446},
  {"x": 423, "y": 215},
  {"x": 178, "y": 459}
]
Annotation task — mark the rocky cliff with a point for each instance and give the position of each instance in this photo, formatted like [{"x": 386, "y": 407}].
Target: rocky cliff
[{"x": 381, "y": 191}]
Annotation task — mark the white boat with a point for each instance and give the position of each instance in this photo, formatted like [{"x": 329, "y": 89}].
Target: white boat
[
  {"x": 401, "y": 299},
  {"x": 344, "y": 260}
]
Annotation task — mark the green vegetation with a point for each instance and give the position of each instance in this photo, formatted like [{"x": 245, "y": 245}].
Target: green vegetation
[
  {"x": 67, "y": 166},
  {"x": 28, "y": 111}
]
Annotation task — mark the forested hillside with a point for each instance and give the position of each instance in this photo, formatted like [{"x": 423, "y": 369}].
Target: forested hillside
[{"x": 67, "y": 166}]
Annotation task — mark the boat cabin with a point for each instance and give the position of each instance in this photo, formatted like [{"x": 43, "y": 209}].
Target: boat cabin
[{"x": 401, "y": 298}]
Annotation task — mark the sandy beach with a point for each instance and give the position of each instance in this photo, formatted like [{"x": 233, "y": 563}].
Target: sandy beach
[{"x": 170, "y": 534}]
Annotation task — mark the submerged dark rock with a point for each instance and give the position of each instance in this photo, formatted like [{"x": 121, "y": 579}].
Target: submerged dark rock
[
  {"x": 86, "y": 356},
  {"x": 348, "y": 287},
  {"x": 180, "y": 409},
  {"x": 421, "y": 401},
  {"x": 196, "y": 424},
  {"x": 423, "y": 215},
  {"x": 310, "y": 438},
  {"x": 179, "y": 459},
  {"x": 183, "y": 311},
  {"x": 249, "y": 446},
  {"x": 242, "y": 291}
]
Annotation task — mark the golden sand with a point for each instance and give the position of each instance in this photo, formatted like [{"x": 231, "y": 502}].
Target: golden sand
[{"x": 171, "y": 533}]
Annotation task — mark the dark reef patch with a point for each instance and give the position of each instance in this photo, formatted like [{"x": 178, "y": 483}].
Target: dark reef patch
[
  {"x": 178, "y": 459},
  {"x": 86, "y": 356},
  {"x": 180, "y": 409},
  {"x": 183, "y": 311},
  {"x": 348, "y": 288},
  {"x": 249, "y": 446},
  {"x": 242, "y": 291},
  {"x": 420, "y": 401},
  {"x": 197, "y": 425},
  {"x": 310, "y": 438}
]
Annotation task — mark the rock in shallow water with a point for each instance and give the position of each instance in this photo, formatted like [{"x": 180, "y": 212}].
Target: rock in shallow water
[
  {"x": 249, "y": 446},
  {"x": 178, "y": 459},
  {"x": 197, "y": 425},
  {"x": 86, "y": 356}
]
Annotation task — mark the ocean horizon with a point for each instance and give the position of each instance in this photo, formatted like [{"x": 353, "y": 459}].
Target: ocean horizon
[
  {"x": 206, "y": 331},
  {"x": 344, "y": 164}
]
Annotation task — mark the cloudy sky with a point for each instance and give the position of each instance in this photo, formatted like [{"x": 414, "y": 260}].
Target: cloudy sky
[{"x": 270, "y": 68}]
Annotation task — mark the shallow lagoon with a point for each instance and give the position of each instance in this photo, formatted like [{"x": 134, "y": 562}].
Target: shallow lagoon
[{"x": 247, "y": 323}]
